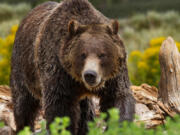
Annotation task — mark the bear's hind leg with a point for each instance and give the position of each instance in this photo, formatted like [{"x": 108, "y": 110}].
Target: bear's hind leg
[{"x": 25, "y": 107}]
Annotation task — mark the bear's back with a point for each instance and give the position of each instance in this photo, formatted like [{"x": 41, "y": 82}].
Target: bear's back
[{"x": 22, "y": 61}]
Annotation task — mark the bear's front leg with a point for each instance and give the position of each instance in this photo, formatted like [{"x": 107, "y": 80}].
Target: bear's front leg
[
  {"x": 118, "y": 98},
  {"x": 126, "y": 104},
  {"x": 87, "y": 114},
  {"x": 58, "y": 103}
]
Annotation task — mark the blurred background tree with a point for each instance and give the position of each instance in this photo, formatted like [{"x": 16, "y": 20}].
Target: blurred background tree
[{"x": 141, "y": 22}]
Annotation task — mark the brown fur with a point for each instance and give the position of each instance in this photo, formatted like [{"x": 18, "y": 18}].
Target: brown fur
[
  {"x": 95, "y": 39},
  {"x": 48, "y": 57}
]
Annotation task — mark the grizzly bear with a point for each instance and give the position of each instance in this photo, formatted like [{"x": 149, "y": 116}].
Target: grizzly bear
[{"x": 64, "y": 54}]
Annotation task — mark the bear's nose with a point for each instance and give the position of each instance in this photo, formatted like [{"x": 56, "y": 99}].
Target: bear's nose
[{"x": 90, "y": 77}]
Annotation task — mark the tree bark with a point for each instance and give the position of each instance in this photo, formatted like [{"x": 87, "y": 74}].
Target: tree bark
[{"x": 169, "y": 86}]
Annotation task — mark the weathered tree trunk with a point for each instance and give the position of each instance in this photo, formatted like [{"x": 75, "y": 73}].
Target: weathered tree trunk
[{"x": 169, "y": 86}]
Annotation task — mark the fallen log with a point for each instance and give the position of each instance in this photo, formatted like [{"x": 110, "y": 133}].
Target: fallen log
[
  {"x": 149, "y": 110},
  {"x": 6, "y": 106}
]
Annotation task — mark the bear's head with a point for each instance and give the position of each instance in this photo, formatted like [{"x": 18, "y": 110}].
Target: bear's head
[{"x": 92, "y": 54}]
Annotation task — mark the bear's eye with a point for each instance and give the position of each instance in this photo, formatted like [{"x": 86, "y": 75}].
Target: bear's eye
[
  {"x": 102, "y": 55},
  {"x": 83, "y": 56}
]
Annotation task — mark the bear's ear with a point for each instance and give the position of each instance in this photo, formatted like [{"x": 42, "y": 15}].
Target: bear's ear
[
  {"x": 72, "y": 27},
  {"x": 114, "y": 28}
]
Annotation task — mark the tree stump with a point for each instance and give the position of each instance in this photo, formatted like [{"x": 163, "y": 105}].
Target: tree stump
[{"x": 169, "y": 86}]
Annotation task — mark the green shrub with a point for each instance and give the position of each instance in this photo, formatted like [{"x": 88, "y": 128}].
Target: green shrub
[
  {"x": 97, "y": 127},
  {"x": 1, "y": 124},
  {"x": 5, "y": 12},
  {"x": 21, "y": 10},
  {"x": 13, "y": 11},
  {"x": 139, "y": 29},
  {"x": 58, "y": 127}
]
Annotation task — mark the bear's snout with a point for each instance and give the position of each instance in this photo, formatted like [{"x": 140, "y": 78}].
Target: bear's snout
[
  {"x": 90, "y": 77},
  {"x": 91, "y": 73}
]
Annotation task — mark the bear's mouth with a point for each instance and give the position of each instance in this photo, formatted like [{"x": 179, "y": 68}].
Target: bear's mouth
[{"x": 95, "y": 87}]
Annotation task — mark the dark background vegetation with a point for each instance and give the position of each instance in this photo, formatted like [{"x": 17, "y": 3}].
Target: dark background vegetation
[{"x": 120, "y": 8}]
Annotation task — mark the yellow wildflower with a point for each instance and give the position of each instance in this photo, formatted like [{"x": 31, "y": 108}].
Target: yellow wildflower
[
  {"x": 14, "y": 29},
  {"x": 157, "y": 41},
  {"x": 146, "y": 67},
  {"x": 142, "y": 65},
  {"x": 5, "y": 55},
  {"x": 136, "y": 53}
]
